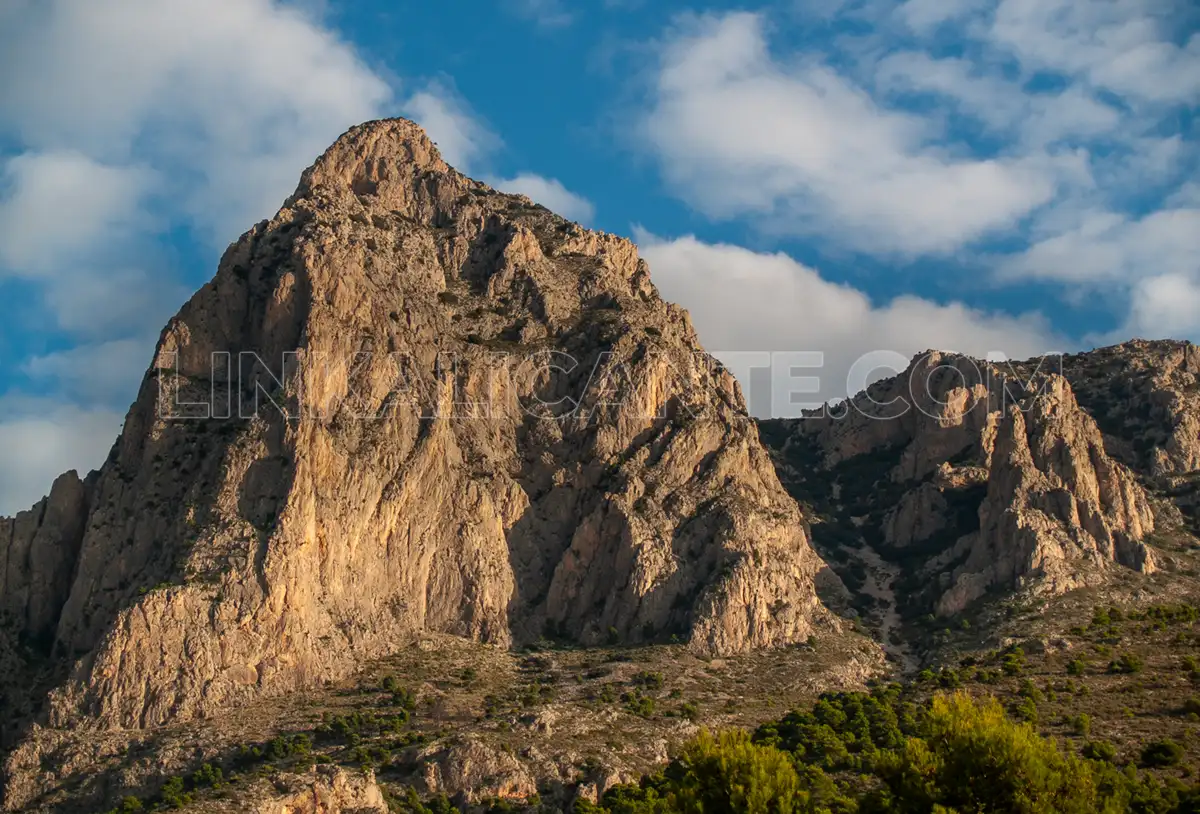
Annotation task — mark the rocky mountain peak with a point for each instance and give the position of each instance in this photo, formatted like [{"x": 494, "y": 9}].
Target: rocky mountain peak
[
  {"x": 409, "y": 403},
  {"x": 372, "y": 151},
  {"x": 972, "y": 477}
]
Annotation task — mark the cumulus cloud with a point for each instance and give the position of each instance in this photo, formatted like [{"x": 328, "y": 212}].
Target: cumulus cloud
[
  {"x": 739, "y": 132},
  {"x": 546, "y": 13},
  {"x": 743, "y": 301},
  {"x": 1032, "y": 121},
  {"x": 1052, "y": 140},
  {"x": 91, "y": 302},
  {"x": 97, "y": 374},
  {"x": 227, "y": 99},
  {"x": 1124, "y": 47},
  {"x": 1165, "y": 307},
  {"x": 1109, "y": 247}
]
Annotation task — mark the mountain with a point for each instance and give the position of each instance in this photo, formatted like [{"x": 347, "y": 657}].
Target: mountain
[
  {"x": 407, "y": 404},
  {"x": 429, "y": 496},
  {"x": 959, "y": 481}
]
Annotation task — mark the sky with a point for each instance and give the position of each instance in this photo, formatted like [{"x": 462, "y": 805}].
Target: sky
[{"x": 860, "y": 178}]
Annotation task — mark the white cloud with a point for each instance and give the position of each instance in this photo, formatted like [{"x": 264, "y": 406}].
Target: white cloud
[
  {"x": 131, "y": 118},
  {"x": 1124, "y": 46},
  {"x": 88, "y": 302},
  {"x": 95, "y": 375},
  {"x": 43, "y": 439},
  {"x": 1188, "y": 195},
  {"x": 1057, "y": 129},
  {"x": 924, "y": 16},
  {"x": 1164, "y": 307},
  {"x": 1034, "y": 121},
  {"x": 550, "y": 194},
  {"x": 57, "y": 206},
  {"x": 1110, "y": 248},
  {"x": 227, "y": 99},
  {"x": 746, "y": 301},
  {"x": 739, "y": 133}
]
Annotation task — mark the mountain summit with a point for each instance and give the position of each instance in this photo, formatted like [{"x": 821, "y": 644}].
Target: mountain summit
[{"x": 406, "y": 403}]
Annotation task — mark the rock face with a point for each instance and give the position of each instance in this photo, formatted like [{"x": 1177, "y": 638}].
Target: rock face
[
  {"x": 471, "y": 771},
  {"x": 325, "y": 790},
  {"x": 331, "y": 792},
  {"x": 1146, "y": 398},
  {"x": 407, "y": 402},
  {"x": 975, "y": 478},
  {"x": 38, "y": 550}
]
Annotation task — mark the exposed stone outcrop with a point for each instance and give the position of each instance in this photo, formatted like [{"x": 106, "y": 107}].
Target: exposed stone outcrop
[
  {"x": 472, "y": 771},
  {"x": 1057, "y": 509},
  {"x": 328, "y": 791},
  {"x": 324, "y": 790},
  {"x": 38, "y": 551},
  {"x": 976, "y": 476},
  {"x": 344, "y": 438}
]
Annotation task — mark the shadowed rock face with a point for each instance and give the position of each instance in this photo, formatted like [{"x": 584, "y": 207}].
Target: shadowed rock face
[
  {"x": 415, "y": 343},
  {"x": 38, "y": 550},
  {"x": 974, "y": 478}
]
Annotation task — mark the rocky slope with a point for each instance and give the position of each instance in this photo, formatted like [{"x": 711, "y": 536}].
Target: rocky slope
[
  {"x": 406, "y": 403},
  {"x": 972, "y": 479}
]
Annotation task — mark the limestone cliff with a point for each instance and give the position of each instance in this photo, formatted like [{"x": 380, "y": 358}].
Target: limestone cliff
[
  {"x": 407, "y": 402},
  {"x": 974, "y": 477},
  {"x": 38, "y": 550}
]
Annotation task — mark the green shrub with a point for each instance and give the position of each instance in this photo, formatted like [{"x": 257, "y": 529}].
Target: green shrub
[
  {"x": 963, "y": 743},
  {"x": 1099, "y": 750},
  {"x": 1026, "y": 710},
  {"x": 638, "y": 704},
  {"x": 728, "y": 772},
  {"x": 208, "y": 775},
  {"x": 1162, "y": 753},
  {"x": 1126, "y": 664},
  {"x": 1029, "y": 690},
  {"x": 173, "y": 794},
  {"x": 1013, "y": 662},
  {"x": 648, "y": 680},
  {"x": 949, "y": 679}
]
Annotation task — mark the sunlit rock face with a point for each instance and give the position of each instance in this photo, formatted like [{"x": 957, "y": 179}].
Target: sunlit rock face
[{"x": 407, "y": 402}]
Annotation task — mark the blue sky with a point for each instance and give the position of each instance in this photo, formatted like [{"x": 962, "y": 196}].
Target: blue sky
[{"x": 848, "y": 176}]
